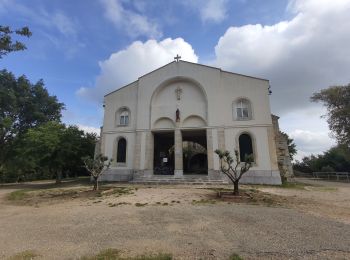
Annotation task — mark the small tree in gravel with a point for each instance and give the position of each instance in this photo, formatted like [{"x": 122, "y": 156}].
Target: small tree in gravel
[
  {"x": 234, "y": 168},
  {"x": 96, "y": 167}
]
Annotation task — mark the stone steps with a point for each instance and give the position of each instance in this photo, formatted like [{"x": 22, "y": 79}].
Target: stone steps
[{"x": 185, "y": 180}]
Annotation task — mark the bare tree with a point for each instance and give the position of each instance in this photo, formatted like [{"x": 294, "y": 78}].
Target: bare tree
[
  {"x": 96, "y": 167},
  {"x": 234, "y": 168}
]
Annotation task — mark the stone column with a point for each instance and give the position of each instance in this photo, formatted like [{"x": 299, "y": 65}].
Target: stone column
[
  {"x": 210, "y": 153},
  {"x": 137, "y": 151},
  {"x": 221, "y": 139},
  {"x": 149, "y": 151},
  {"x": 178, "y": 154}
]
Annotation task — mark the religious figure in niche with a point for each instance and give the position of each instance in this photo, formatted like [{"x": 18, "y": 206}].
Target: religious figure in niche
[{"x": 177, "y": 115}]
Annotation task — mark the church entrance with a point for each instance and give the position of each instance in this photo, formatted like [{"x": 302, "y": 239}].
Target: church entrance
[
  {"x": 163, "y": 163},
  {"x": 194, "y": 148}
]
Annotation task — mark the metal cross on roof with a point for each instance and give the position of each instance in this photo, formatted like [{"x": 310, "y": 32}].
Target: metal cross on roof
[{"x": 177, "y": 58}]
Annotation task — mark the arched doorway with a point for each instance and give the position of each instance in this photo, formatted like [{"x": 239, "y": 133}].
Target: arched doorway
[
  {"x": 194, "y": 149},
  {"x": 163, "y": 160}
]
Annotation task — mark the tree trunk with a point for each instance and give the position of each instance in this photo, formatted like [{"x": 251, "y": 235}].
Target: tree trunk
[
  {"x": 58, "y": 177},
  {"x": 235, "y": 188},
  {"x": 95, "y": 183}
]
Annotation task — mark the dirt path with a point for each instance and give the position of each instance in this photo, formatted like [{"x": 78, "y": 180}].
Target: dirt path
[{"x": 171, "y": 223}]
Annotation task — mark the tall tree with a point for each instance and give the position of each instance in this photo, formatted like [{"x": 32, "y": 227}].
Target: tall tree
[
  {"x": 56, "y": 149},
  {"x": 337, "y": 101},
  {"x": 42, "y": 146},
  {"x": 23, "y": 105},
  {"x": 336, "y": 158},
  {"x": 7, "y": 44}
]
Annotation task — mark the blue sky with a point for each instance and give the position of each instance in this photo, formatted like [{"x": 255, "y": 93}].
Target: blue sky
[{"x": 81, "y": 50}]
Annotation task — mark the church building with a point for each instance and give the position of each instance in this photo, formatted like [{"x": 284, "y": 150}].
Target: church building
[{"x": 171, "y": 120}]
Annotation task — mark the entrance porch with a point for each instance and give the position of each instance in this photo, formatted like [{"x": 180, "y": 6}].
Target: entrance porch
[{"x": 180, "y": 152}]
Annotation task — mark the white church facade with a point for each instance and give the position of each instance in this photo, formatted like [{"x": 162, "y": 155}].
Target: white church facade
[{"x": 171, "y": 120}]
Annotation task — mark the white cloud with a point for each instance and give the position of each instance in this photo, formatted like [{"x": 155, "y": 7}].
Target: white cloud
[
  {"x": 209, "y": 10},
  {"x": 299, "y": 56},
  {"x": 310, "y": 133},
  {"x": 137, "y": 59},
  {"x": 89, "y": 129},
  {"x": 64, "y": 24},
  {"x": 310, "y": 142},
  {"x": 213, "y": 10},
  {"x": 133, "y": 23}
]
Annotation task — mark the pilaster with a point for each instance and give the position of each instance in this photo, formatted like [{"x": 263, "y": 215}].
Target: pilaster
[
  {"x": 149, "y": 151},
  {"x": 178, "y": 153},
  {"x": 137, "y": 153},
  {"x": 210, "y": 152},
  {"x": 221, "y": 139}
]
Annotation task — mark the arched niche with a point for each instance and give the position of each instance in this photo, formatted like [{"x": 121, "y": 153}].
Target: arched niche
[
  {"x": 181, "y": 93},
  {"x": 163, "y": 123},
  {"x": 194, "y": 121}
]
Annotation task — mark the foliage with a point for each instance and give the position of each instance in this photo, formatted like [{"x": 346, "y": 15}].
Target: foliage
[
  {"x": 42, "y": 148},
  {"x": 53, "y": 148},
  {"x": 49, "y": 150},
  {"x": 235, "y": 257},
  {"x": 327, "y": 168},
  {"x": 115, "y": 254},
  {"x": 337, "y": 159},
  {"x": 23, "y": 105},
  {"x": 337, "y": 101},
  {"x": 234, "y": 168},
  {"x": 25, "y": 255},
  {"x": 33, "y": 142},
  {"x": 6, "y": 42},
  {"x": 96, "y": 167}
]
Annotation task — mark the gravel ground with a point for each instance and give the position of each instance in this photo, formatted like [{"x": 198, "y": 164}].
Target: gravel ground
[
  {"x": 75, "y": 228},
  {"x": 321, "y": 198}
]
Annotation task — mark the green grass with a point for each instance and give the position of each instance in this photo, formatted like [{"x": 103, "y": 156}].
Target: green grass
[
  {"x": 18, "y": 195},
  {"x": 235, "y": 257},
  {"x": 294, "y": 185},
  {"x": 203, "y": 201},
  {"x": 107, "y": 254},
  {"x": 159, "y": 256},
  {"x": 25, "y": 255},
  {"x": 325, "y": 189},
  {"x": 286, "y": 185},
  {"x": 115, "y": 254}
]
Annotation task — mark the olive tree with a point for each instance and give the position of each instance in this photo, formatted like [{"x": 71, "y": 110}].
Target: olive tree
[
  {"x": 233, "y": 168},
  {"x": 96, "y": 167}
]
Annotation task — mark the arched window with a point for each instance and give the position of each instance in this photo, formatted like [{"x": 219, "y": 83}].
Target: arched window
[
  {"x": 121, "y": 150},
  {"x": 123, "y": 116},
  {"x": 245, "y": 147},
  {"x": 243, "y": 110}
]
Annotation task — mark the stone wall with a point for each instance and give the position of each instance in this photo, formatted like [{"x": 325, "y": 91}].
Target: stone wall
[
  {"x": 97, "y": 150},
  {"x": 283, "y": 158}
]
